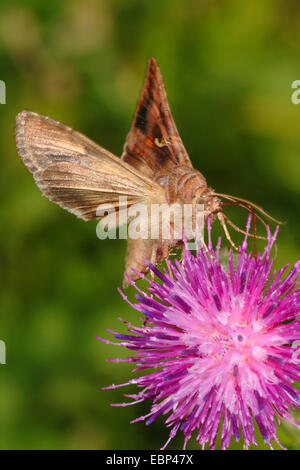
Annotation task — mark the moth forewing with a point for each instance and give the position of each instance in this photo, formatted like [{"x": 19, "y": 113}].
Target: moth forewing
[{"x": 73, "y": 171}]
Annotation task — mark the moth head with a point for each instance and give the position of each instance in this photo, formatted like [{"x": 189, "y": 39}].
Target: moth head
[{"x": 208, "y": 202}]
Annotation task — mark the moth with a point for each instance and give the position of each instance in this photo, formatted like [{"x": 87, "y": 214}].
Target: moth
[{"x": 79, "y": 175}]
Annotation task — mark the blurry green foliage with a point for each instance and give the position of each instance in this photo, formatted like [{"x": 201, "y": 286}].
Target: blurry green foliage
[{"x": 228, "y": 67}]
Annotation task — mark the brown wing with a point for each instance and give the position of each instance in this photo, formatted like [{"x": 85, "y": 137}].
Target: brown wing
[
  {"x": 73, "y": 171},
  {"x": 153, "y": 143}
]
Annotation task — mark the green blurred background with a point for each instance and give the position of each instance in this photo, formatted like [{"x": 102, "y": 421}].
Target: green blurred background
[{"x": 228, "y": 67}]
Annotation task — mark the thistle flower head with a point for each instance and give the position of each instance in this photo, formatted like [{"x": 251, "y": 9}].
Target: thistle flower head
[{"x": 219, "y": 342}]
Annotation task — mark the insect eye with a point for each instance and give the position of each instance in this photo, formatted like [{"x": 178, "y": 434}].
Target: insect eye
[{"x": 198, "y": 200}]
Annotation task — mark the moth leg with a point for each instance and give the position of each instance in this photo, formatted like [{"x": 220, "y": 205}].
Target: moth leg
[
  {"x": 182, "y": 255},
  {"x": 152, "y": 275},
  {"x": 137, "y": 252},
  {"x": 165, "y": 257},
  {"x": 169, "y": 268},
  {"x": 153, "y": 261},
  {"x": 224, "y": 226},
  {"x": 204, "y": 246}
]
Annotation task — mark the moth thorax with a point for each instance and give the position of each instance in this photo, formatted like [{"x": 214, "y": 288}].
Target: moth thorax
[{"x": 181, "y": 183}]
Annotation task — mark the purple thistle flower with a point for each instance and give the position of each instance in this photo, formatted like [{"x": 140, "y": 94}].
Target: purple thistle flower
[{"x": 220, "y": 343}]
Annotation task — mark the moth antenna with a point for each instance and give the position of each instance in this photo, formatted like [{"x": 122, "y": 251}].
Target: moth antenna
[
  {"x": 235, "y": 227},
  {"x": 224, "y": 226},
  {"x": 250, "y": 204}
]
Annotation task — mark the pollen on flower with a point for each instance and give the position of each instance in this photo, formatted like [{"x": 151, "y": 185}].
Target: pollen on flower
[{"x": 219, "y": 344}]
